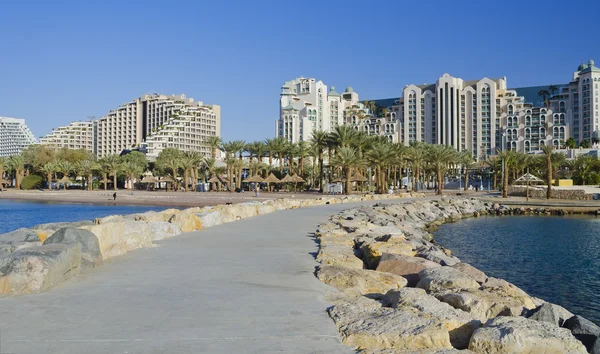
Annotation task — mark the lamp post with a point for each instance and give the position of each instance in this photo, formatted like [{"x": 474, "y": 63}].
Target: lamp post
[{"x": 459, "y": 178}]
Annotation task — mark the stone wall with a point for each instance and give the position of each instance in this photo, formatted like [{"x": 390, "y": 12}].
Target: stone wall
[
  {"x": 536, "y": 192},
  {"x": 35, "y": 260},
  {"x": 394, "y": 290}
]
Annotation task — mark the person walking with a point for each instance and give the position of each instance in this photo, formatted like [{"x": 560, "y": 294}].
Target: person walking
[
  {"x": 115, "y": 196},
  {"x": 256, "y": 189}
]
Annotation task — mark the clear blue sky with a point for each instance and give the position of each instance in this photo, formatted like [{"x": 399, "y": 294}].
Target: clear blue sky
[{"x": 62, "y": 61}]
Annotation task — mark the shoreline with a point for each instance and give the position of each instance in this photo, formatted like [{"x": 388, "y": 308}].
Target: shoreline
[
  {"x": 398, "y": 289},
  {"x": 144, "y": 198}
]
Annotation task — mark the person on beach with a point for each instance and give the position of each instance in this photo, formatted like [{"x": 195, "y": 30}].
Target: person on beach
[
  {"x": 115, "y": 196},
  {"x": 256, "y": 189}
]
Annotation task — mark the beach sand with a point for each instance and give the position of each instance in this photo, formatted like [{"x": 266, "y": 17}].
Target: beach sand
[{"x": 125, "y": 197}]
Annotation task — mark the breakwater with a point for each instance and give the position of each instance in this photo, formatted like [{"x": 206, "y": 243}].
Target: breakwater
[
  {"x": 398, "y": 290},
  {"x": 36, "y": 259}
]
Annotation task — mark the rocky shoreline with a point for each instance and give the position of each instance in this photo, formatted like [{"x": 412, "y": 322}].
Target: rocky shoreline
[
  {"x": 38, "y": 259},
  {"x": 399, "y": 292}
]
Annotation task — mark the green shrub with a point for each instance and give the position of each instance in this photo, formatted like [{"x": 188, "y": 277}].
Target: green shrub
[{"x": 31, "y": 182}]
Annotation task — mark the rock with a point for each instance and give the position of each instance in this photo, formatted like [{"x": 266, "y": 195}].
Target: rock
[
  {"x": 445, "y": 278},
  {"x": 550, "y": 313},
  {"x": 45, "y": 230},
  {"x": 408, "y": 267},
  {"x": 471, "y": 271},
  {"x": 20, "y": 235},
  {"x": 359, "y": 281},
  {"x": 339, "y": 255},
  {"x": 372, "y": 251},
  {"x": 186, "y": 221},
  {"x": 503, "y": 288},
  {"x": 584, "y": 330},
  {"x": 420, "y": 351},
  {"x": 364, "y": 324},
  {"x": 482, "y": 305},
  {"x": 162, "y": 229},
  {"x": 119, "y": 237},
  {"x": 459, "y": 323},
  {"x": 39, "y": 268},
  {"x": 88, "y": 242},
  {"x": 522, "y": 335},
  {"x": 596, "y": 348},
  {"x": 436, "y": 255}
]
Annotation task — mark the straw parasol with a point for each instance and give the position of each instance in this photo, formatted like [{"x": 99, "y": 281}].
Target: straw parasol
[
  {"x": 167, "y": 180},
  {"x": 271, "y": 179},
  {"x": 358, "y": 177},
  {"x": 149, "y": 179},
  {"x": 286, "y": 179},
  {"x": 219, "y": 180},
  {"x": 65, "y": 181},
  {"x": 296, "y": 179},
  {"x": 254, "y": 179},
  {"x": 339, "y": 179}
]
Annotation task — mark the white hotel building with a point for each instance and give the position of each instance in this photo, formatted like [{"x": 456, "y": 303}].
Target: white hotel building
[
  {"x": 157, "y": 122},
  {"x": 15, "y": 136},
  {"x": 75, "y": 136}
]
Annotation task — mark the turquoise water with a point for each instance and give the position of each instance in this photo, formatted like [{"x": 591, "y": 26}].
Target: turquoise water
[
  {"x": 556, "y": 258},
  {"x": 17, "y": 214}
]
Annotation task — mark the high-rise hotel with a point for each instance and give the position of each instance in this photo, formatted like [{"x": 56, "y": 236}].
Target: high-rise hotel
[
  {"x": 479, "y": 116},
  {"x": 15, "y": 136}
]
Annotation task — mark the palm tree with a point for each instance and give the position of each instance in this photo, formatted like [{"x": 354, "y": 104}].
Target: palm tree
[
  {"x": 238, "y": 148},
  {"x": 495, "y": 164},
  {"x": 552, "y": 89},
  {"x": 86, "y": 168},
  {"x": 49, "y": 169},
  {"x": 278, "y": 147},
  {"x": 65, "y": 167},
  {"x": 507, "y": 156},
  {"x": 319, "y": 141},
  {"x": 583, "y": 167},
  {"x": 342, "y": 136},
  {"x": 440, "y": 157},
  {"x": 379, "y": 156},
  {"x": 416, "y": 156},
  {"x": 466, "y": 160},
  {"x": 195, "y": 160},
  {"x": 114, "y": 166},
  {"x": 302, "y": 151},
  {"x": 347, "y": 158},
  {"x": 170, "y": 159},
  {"x": 3, "y": 166},
  {"x": 214, "y": 143},
  {"x": 103, "y": 164},
  {"x": 544, "y": 94},
  {"x": 547, "y": 150},
  {"x": 16, "y": 163},
  {"x": 270, "y": 146}
]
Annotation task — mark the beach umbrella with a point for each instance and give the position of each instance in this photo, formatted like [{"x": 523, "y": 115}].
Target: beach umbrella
[
  {"x": 219, "y": 180},
  {"x": 286, "y": 179},
  {"x": 296, "y": 179},
  {"x": 254, "y": 179},
  {"x": 149, "y": 179},
  {"x": 528, "y": 178},
  {"x": 338, "y": 179},
  {"x": 358, "y": 177},
  {"x": 271, "y": 179},
  {"x": 167, "y": 180}
]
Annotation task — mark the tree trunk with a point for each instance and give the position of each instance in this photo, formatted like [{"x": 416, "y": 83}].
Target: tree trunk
[
  {"x": 105, "y": 176},
  {"x": 281, "y": 163},
  {"x": 505, "y": 182},
  {"x": 395, "y": 177},
  {"x": 115, "y": 181},
  {"x": 90, "y": 183},
  {"x": 270, "y": 161},
  {"x": 185, "y": 179},
  {"x": 466, "y": 178},
  {"x": 347, "y": 174},
  {"x": 330, "y": 153},
  {"x": 549, "y": 164},
  {"x": 440, "y": 181},
  {"x": 321, "y": 170},
  {"x": 49, "y": 177},
  {"x": 301, "y": 166},
  {"x": 240, "y": 178}
]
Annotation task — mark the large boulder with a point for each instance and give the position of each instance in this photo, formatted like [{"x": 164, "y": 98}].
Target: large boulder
[
  {"x": 339, "y": 255},
  {"x": 445, "y": 278},
  {"x": 584, "y": 330},
  {"x": 437, "y": 255},
  {"x": 118, "y": 237},
  {"x": 39, "y": 268},
  {"x": 505, "y": 289},
  {"x": 482, "y": 305},
  {"x": 372, "y": 251},
  {"x": 504, "y": 335},
  {"x": 162, "y": 229},
  {"x": 359, "y": 281},
  {"x": 408, "y": 267},
  {"x": 471, "y": 271},
  {"x": 550, "y": 313},
  {"x": 363, "y": 323},
  {"x": 460, "y": 324},
  {"x": 20, "y": 235},
  {"x": 45, "y": 230},
  {"x": 88, "y": 242}
]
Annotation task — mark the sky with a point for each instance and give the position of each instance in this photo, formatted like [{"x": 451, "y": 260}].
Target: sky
[{"x": 64, "y": 61}]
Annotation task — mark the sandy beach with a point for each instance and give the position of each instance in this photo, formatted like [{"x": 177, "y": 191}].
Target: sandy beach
[{"x": 125, "y": 197}]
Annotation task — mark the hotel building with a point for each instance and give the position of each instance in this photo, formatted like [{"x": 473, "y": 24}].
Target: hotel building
[
  {"x": 15, "y": 136},
  {"x": 158, "y": 121},
  {"x": 75, "y": 136}
]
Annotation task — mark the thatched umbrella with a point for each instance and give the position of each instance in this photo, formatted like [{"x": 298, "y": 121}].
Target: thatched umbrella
[
  {"x": 271, "y": 179},
  {"x": 296, "y": 179},
  {"x": 358, "y": 177},
  {"x": 167, "y": 180},
  {"x": 254, "y": 179},
  {"x": 65, "y": 180},
  {"x": 218, "y": 180},
  {"x": 149, "y": 179},
  {"x": 528, "y": 178},
  {"x": 338, "y": 179}
]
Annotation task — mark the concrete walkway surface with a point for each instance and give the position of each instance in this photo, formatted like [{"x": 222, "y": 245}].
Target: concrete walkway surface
[{"x": 242, "y": 287}]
